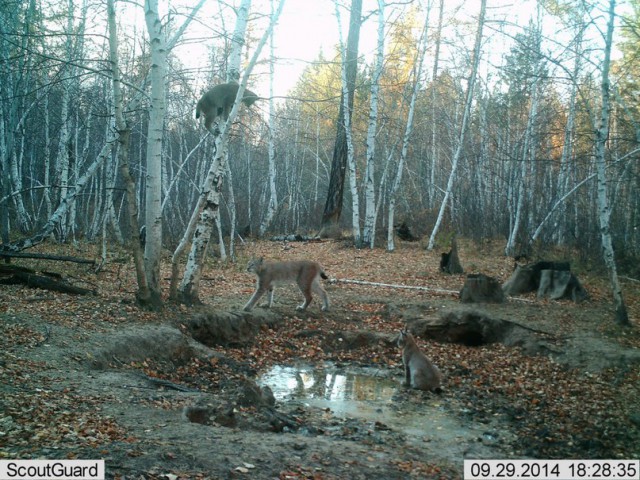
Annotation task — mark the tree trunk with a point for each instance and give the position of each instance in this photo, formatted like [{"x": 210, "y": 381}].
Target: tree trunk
[
  {"x": 272, "y": 206},
  {"x": 434, "y": 111},
  {"x": 333, "y": 205},
  {"x": 143, "y": 295},
  {"x": 417, "y": 73},
  {"x": 463, "y": 126},
  {"x": 368, "y": 233},
  {"x": 604, "y": 207},
  {"x": 188, "y": 291},
  {"x": 153, "y": 190},
  {"x": 351, "y": 164}
]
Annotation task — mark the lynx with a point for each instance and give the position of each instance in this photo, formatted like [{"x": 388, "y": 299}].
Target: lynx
[
  {"x": 218, "y": 101},
  {"x": 420, "y": 373},
  {"x": 303, "y": 272}
]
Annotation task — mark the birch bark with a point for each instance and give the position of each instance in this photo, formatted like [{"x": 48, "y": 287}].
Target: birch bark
[
  {"x": 604, "y": 206},
  {"x": 347, "y": 108},
  {"x": 153, "y": 190},
  {"x": 417, "y": 73},
  {"x": 188, "y": 292},
  {"x": 463, "y": 126},
  {"x": 273, "y": 193},
  {"x": 124, "y": 133},
  {"x": 160, "y": 48},
  {"x": 434, "y": 110},
  {"x": 369, "y": 230}
]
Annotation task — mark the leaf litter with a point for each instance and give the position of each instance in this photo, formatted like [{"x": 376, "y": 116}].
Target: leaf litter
[{"x": 531, "y": 406}]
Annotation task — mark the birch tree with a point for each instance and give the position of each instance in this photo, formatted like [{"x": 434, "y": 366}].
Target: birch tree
[
  {"x": 603, "y": 201},
  {"x": 272, "y": 206},
  {"x": 233, "y": 75},
  {"x": 160, "y": 49},
  {"x": 153, "y": 190},
  {"x": 433, "y": 161},
  {"x": 211, "y": 194},
  {"x": 528, "y": 150},
  {"x": 333, "y": 205},
  {"x": 207, "y": 211},
  {"x": 346, "y": 118},
  {"x": 369, "y": 230},
  {"x": 417, "y": 73},
  {"x": 143, "y": 295},
  {"x": 464, "y": 124}
]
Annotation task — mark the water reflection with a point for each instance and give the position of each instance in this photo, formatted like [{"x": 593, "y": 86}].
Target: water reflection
[
  {"x": 328, "y": 384},
  {"x": 364, "y": 393}
]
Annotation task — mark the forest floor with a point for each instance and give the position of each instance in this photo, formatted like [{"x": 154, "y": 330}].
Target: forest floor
[{"x": 82, "y": 376}]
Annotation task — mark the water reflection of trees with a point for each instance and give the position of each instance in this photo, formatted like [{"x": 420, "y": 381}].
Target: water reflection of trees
[{"x": 340, "y": 385}]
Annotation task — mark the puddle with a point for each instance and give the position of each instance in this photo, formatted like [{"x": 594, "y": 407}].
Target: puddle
[
  {"x": 367, "y": 394},
  {"x": 339, "y": 389}
]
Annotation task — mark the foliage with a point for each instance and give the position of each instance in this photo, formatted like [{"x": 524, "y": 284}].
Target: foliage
[{"x": 40, "y": 47}]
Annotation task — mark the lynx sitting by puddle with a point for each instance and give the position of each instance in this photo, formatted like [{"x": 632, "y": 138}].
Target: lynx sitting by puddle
[
  {"x": 420, "y": 373},
  {"x": 305, "y": 273}
]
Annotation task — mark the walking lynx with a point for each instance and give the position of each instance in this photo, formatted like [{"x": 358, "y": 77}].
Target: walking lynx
[
  {"x": 419, "y": 372},
  {"x": 305, "y": 273}
]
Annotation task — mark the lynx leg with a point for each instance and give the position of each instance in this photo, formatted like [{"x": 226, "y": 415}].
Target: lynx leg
[
  {"x": 270, "y": 297},
  {"x": 306, "y": 291},
  {"x": 317, "y": 286},
  {"x": 254, "y": 298},
  {"x": 407, "y": 375}
]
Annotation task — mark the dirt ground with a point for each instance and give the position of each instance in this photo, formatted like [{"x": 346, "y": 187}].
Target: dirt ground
[{"x": 95, "y": 377}]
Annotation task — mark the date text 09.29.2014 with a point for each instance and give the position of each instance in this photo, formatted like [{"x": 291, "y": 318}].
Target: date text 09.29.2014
[{"x": 552, "y": 469}]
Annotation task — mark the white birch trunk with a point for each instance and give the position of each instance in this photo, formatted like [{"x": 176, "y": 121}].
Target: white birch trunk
[
  {"x": 351, "y": 163},
  {"x": 604, "y": 206},
  {"x": 47, "y": 159},
  {"x": 233, "y": 74},
  {"x": 273, "y": 193},
  {"x": 368, "y": 232},
  {"x": 527, "y": 157},
  {"x": 463, "y": 126},
  {"x": 153, "y": 189},
  {"x": 143, "y": 294},
  {"x": 237, "y": 41},
  {"x": 434, "y": 110},
  {"x": 5, "y": 226},
  {"x": 417, "y": 73},
  {"x": 188, "y": 291}
]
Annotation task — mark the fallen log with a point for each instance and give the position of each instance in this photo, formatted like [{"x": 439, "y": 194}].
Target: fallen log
[
  {"x": 44, "y": 256},
  {"x": 296, "y": 238},
  {"x": 15, "y": 275},
  {"x": 440, "y": 291},
  {"x": 392, "y": 285}
]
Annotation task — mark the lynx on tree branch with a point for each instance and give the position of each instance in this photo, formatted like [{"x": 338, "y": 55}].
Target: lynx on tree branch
[{"x": 218, "y": 101}]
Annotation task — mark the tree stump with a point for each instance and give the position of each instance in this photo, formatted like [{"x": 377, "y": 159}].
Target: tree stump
[
  {"x": 480, "y": 288},
  {"x": 552, "y": 280},
  {"x": 404, "y": 233},
  {"x": 450, "y": 263},
  {"x": 558, "y": 284}
]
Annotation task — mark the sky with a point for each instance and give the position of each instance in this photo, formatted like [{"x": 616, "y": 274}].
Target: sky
[{"x": 307, "y": 27}]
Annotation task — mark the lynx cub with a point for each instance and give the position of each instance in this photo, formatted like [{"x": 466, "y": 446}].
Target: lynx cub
[
  {"x": 304, "y": 272},
  {"x": 420, "y": 373}
]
